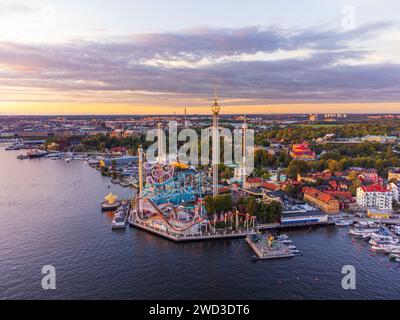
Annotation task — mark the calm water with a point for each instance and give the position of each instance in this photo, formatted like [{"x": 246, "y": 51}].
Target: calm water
[{"x": 50, "y": 214}]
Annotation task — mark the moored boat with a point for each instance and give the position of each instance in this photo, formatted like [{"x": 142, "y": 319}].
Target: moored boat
[
  {"x": 343, "y": 223},
  {"x": 32, "y": 154}
]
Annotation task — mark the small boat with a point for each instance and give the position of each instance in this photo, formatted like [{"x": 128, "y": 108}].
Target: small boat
[
  {"x": 383, "y": 241},
  {"x": 286, "y": 241},
  {"x": 363, "y": 229},
  {"x": 379, "y": 248},
  {"x": 295, "y": 251},
  {"x": 15, "y": 146},
  {"x": 393, "y": 249},
  {"x": 282, "y": 237},
  {"x": 292, "y": 247},
  {"x": 343, "y": 223},
  {"x": 22, "y": 157}
]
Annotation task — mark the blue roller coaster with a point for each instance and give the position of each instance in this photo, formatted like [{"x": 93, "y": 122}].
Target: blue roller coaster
[{"x": 164, "y": 185}]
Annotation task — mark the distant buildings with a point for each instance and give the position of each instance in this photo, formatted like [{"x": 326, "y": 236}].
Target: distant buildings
[
  {"x": 313, "y": 177},
  {"x": 322, "y": 200},
  {"x": 380, "y": 139},
  {"x": 313, "y": 117},
  {"x": 374, "y": 196},
  {"x": 253, "y": 183},
  {"x": 302, "y": 151}
]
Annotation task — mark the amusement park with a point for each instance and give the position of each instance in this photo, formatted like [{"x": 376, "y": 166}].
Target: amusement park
[{"x": 171, "y": 196}]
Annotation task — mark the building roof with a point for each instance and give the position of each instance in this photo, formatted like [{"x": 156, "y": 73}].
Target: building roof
[
  {"x": 253, "y": 180},
  {"x": 374, "y": 188},
  {"x": 269, "y": 186},
  {"x": 322, "y": 196}
]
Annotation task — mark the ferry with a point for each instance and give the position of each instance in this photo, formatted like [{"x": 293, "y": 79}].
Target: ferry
[
  {"x": 36, "y": 154},
  {"x": 119, "y": 221}
]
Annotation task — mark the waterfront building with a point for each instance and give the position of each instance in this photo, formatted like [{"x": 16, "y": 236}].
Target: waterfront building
[
  {"x": 302, "y": 151},
  {"x": 374, "y": 196},
  {"x": 303, "y": 217},
  {"x": 322, "y": 200},
  {"x": 394, "y": 188}
]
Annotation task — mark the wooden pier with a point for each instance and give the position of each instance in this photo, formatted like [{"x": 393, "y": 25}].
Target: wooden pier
[{"x": 263, "y": 252}]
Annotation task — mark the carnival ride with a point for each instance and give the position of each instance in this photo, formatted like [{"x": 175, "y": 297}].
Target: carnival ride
[
  {"x": 171, "y": 201},
  {"x": 165, "y": 185}
]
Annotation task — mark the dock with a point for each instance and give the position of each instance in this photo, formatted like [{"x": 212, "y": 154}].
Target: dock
[
  {"x": 263, "y": 252},
  {"x": 271, "y": 226},
  {"x": 132, "y": 221}
]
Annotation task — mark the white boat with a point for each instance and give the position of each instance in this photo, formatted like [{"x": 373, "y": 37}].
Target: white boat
[
  {"x": 119, "y": 220},
  {"x": 286, "y": 241},
  {"x": 384, "y": 241},
  {"x": 396, "y": 230},
  {"x": 282, "y": 237},
  {"x": 363, "y": 229},
  {"x": 343, "y": 223},
  {"x": 292, "y": 247},
  {"x": 383, "y": 248},
  {"x": 362, "y": 232},
  {"x": 393, "y": 249}
]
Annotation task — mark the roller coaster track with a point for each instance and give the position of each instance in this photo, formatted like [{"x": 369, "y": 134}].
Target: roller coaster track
[{"x": 159, "y": 215}]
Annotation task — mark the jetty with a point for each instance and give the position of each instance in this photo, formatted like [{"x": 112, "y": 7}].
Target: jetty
[
  {"x": 268, "y": 249},
  {"x": 134, "y": 221}
]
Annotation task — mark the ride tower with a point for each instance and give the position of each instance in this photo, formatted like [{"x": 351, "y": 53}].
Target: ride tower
[{"x": 215, "y": 145}]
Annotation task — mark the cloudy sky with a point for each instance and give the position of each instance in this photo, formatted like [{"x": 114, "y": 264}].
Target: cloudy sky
[{"x": 157, "y": 56}]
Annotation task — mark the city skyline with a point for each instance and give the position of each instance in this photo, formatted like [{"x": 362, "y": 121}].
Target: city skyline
[{"x": 284, "y": 58}]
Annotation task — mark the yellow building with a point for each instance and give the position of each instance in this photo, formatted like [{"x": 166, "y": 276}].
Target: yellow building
[
  {"x": 394, "y": 174},
  {"x": 322, "y": 200}
]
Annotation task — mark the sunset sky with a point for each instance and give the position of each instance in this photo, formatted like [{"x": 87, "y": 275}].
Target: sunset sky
[{"x": 157, "y": 56}]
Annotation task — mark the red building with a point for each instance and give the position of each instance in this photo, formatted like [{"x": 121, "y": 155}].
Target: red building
[{"x": 302, "y": 151}]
